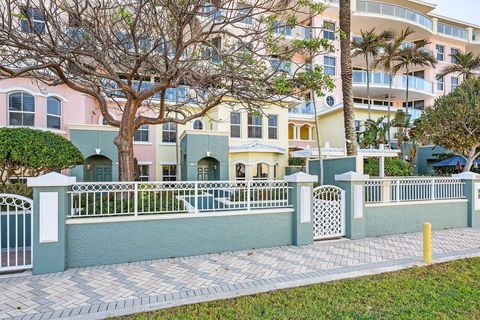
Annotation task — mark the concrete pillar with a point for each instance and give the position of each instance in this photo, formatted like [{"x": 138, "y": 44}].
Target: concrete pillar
[
  {"x": 301, "y": 197},
  {"x": 470, "y": 34},
  {"x": 472, "y": 193},
  {"x": 50, "y": 211},
  {"x": 354, "y": 185},
  {"x": 435, "y": 25}
]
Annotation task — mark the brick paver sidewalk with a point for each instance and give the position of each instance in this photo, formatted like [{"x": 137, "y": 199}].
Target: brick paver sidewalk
[{"x": 98, "y": 292}]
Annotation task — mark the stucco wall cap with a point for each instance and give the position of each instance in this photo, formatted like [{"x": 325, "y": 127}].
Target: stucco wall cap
[
  {"x": 467, "y": 176},
  {"x": 301, "y": 177},
  {"x": 351, "y": 176},
  {"x": 52, "y": 179}
]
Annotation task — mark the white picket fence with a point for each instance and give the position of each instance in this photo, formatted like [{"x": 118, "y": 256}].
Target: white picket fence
[
  {"x": 413, "y": 189},
  {"x": 141, "y": 198}
]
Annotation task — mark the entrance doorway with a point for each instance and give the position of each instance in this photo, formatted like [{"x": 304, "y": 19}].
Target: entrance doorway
[
  {"x": 207, "y": 169},
  {"x": 98, "y": 169}
]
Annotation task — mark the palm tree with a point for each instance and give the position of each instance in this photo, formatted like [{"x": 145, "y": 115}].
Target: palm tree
[
  {"x": 346, "y": 72},
  {"x": 369, "y": 46},
  {"x": 375, "y": 133},
  {"x": 465, "y": 65},
  {"x": 386, "y": 61},
  {"x": 413, "y": 56}
]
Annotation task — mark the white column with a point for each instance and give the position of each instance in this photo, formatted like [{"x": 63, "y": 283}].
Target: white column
[
  {"x": 435, "y": 25},
  {"x": 310, "y": 133},
  {"x": 381, "y": 170},
  {"x": 470, "y": 34}
]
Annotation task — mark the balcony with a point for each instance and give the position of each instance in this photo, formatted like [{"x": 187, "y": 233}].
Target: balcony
[
  {"x": 305, "y": 108},
  {"x": 287, "y": 34},
  {"x": 290, "y": 68},
  {"x": 179, "y": 94},
  {"x": 387, "y": 9},
  {"x": 452, "y": 31},
  {"x": 379, "y": 83}
]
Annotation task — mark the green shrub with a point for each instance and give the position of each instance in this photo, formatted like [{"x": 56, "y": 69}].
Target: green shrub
[
  {"x": 296, "y": 162},
  {"x": 393, "y": 167}
]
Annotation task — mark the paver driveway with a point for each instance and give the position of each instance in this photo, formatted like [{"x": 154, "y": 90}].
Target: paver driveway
[{"x": 98, "y": 292}]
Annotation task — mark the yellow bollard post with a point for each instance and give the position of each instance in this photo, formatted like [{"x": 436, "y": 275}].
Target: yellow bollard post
[{"x": 427, "y": 243}]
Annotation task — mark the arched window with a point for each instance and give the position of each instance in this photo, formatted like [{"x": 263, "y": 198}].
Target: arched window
[
  {"x": 21, "y": 109},
  {"x": 260, "y": 171},
  {"x": 240, "y": 171},
  {"x": 54, "y": 113},
  {"x": 197, "y": 125}
]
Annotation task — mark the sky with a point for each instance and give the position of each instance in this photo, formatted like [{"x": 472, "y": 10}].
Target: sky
[{"x": 465, "y": 10}]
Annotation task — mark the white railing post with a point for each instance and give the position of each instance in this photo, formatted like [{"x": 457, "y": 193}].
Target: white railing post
[
  {"x": 398, "y": 190},
  {"x": 135, "y": 199},
  {"x": 248, "y": 195},
  {"x": 195, "y": 201},
  {"x": 433, "y": 189}
]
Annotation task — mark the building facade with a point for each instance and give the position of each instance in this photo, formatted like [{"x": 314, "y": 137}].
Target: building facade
[{"x": 232, "y": 144}]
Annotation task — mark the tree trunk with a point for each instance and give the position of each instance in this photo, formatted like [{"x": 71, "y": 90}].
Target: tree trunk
[
  {"x": 124, "y": 143},
  {"x": 472, "y": 155},
  {"x": 346, "y": 73},
  {"x": 406, "y": 93},
  {"x": 389, "y": 103},
  {"x": 368, "y": 88},
  {"x": 319, "y": 145}
]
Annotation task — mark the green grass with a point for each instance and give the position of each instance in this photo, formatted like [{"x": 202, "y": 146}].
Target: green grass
[{"x": 443, "y": 291}]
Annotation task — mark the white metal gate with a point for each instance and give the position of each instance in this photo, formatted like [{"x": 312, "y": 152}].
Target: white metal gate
[
  {"x": 16, "y": 232},
  {"x": 328, "y": 212}
]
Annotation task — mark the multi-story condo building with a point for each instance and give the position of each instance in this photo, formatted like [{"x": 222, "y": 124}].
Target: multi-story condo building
[
  {"x": 232, "y": 144},
  {"x": 446, "y": 36}
]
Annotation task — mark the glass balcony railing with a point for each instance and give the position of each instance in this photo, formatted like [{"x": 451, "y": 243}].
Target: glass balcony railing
[
  {"x": 179, "y": 94},
  {"x": 398, "y": 82},
  {"x": 452, "y": 31},
  {"x": 298, "y": 32},
  {"x": 394, "y": 11},
  {"x": 305, "y": 108}
]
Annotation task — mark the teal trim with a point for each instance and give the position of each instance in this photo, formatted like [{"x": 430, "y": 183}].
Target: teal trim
[
  {"x": 51, "y": 256},
  {"x": 332, "y": 167},
  {"x": 425, "y": 157},
  {"x": 473, "y": 215},
  {"x": 120, "y": 242},
  {"x": 87, "y": 141},
  {"x": 395, "y": 219},
  {"x": 194, "y": 147}
]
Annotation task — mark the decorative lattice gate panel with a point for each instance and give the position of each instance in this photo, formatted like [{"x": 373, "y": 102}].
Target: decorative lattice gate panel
[
  {"x": 15, "y": 232},
  {"x": 328, "y": 212}
]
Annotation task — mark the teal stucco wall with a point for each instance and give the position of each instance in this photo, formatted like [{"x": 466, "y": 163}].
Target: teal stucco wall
[
  {"x": 396, "y": 219},
  {"x": 120, "y": 242},
  {"x": 331, "y": 167},
  {"x": 87, "y": 141},
  {"x": 194, "y": 147},
  {"x": 425, "y": 157}
]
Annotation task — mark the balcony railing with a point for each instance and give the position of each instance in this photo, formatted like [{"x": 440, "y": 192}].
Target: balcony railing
[
  {"x": 305, "y": 108},
  {"x": 394, "y": 11},
  {"x": 297, "y": 32},
  {"x": 452, "y": 31},
  {"x": 179, "y": 94},
  {"x": 399, "y": 82}
]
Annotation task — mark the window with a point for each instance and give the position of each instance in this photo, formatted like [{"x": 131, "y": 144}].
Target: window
[
  {"x": 245, "y": 14},
  {"x": 440, "y": 52},
  {"x": 329, "y": 66},
  {"x": 169, "y": 172},
  {"x": 34, "y": 22},
  {"x": 143, "y": 172},
  {"x": 453, "y": 83},
  {"x": 21, "y": 109},
  {"x": 440, "y": 83},
  {"x": 240, "y": 171},
  {"x": 260, "y": 171},
  {"x": 169, "y": 131},
  {"x": 358, "y": 125},
  {"x": 54, "y": 113},
  {"x": 272, "y": 127},
  {"x": 235, "y": 125},
  {"x": 330, "y": 100},
  {"x": 141, "y": 135},
  {"x": 417, "y": 104},
  {"x": 453, "y": 53},
  {"x": 328, "y": 30},
  {"x": 254, "y": 126},
  {"x": 197, "y": 125}
]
